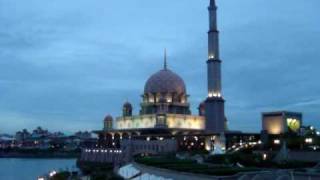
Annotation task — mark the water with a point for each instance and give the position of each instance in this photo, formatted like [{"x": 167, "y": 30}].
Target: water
[{"x": 30, "y": 169}]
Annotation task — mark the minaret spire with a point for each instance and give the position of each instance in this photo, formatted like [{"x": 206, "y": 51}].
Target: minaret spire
[
  {"x": 214, "y": 104},
  {"x": 165, "y": 59},
  {"x": 213, "y": 33},
  {"x": 213, "y": 3},
  {"x": 214, "y": 62}
]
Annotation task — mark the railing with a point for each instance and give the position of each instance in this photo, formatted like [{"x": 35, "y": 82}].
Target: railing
[{"x": 102, "y": 155}]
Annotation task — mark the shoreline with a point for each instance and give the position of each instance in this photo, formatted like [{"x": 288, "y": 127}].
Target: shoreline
[{"x": 40, "y": 155}]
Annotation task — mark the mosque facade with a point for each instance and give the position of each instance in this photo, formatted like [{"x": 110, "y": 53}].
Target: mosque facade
[
  {"x": 164, "y": 103},
  {"x": 165, "y": 121}
]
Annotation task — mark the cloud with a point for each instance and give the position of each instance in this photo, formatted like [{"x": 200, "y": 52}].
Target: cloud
[{"x": 73, "y": 62}]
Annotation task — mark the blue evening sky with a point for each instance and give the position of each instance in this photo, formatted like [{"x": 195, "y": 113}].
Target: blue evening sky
[{"x": 64, "y": 65}]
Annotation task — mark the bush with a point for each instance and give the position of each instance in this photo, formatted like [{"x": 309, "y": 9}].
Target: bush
[
  {"x": 61, "y": 176},
  {"x": 190, "y": 166},
  {"x": 256, "y": 161},
  {"x": 98, "y": 171},
  {"x": 88, "y": 167}
]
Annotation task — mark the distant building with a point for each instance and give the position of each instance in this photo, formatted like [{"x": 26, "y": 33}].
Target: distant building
[
  {"x": 22, "y": 135},
  {"x": 281, "y": 122},
  {"x": 43, "y": 139}
]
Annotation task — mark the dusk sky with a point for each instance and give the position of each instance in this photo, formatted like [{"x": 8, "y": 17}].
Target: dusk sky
[{"x": 64, "y": 65}]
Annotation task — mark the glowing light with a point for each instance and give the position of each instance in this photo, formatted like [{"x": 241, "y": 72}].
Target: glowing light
[
  {"x": 318, "y": 133},
  {"x": 151, "y": 100},
  {"x": 51, "y": 174},
  {"x": 172, "y": 121},
  {"x": 148, "y": 138},
  {"x": 276, "y": 141},
  {"x": 214, "y": 94},
  {"x": 211, "y": 56},
  {"x": 264, "y": 156},
  {"x": 309, "y": 140},
  {"x": 208, "y": 148},
  {"x": 293, "y": 124}
]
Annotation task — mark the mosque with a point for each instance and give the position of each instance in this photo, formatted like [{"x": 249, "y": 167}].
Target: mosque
[
  {"x": 165, "y": 122},
  {"x": 164, "y": 107},
  {"x": 164, "y": 104}
]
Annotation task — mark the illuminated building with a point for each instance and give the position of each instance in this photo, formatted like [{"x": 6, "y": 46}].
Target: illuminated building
[
  {"x": 165, "y": 121},
  {"x": 281, "y": 122},
  {"x": 164, "y": 108},
  {"x": 164, "y": 113}
]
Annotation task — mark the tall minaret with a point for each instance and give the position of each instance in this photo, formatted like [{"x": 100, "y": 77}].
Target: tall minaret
[{"x": 214, "y": 104}]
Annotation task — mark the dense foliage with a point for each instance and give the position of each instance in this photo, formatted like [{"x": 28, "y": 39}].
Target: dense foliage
[
  {"x": 255, "y": 160},
  {"x": 62, "y": 176},
  {"x": 98, "y": 171}
]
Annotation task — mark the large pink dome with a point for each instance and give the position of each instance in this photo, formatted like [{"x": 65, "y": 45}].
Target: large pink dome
[{"x": 165, "y": 81}]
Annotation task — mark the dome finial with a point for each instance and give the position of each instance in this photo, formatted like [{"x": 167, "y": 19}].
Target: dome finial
[{"x": 165, "y": 59}]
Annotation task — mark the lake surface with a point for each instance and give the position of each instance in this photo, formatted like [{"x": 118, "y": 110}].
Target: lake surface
[{"x": 30, "y": 169}]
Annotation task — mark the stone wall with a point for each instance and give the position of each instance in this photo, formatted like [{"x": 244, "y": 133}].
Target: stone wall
[
  {"x": 128, "y": 149},
  {"x": 103, "y": 155}
]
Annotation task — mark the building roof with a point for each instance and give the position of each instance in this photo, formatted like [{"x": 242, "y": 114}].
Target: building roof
[
  {"x": 165, "y": 81},
  {"x": 279, "y": 113},
  {"x": 108, "y": 118}
]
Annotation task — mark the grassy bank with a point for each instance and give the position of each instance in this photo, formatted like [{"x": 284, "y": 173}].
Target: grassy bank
[
  {"x": 190, "y": 166},
  {"x": 256, "y": 161}
]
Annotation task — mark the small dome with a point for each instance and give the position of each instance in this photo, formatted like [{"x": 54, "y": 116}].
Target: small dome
[
  {"x": 202, "y": 109},
  {"x": 201, "y": 105},
  {"x": 108, "y": 118},
  {"x": 127, "y": 109},
  {"x": 127, "y": 105},
  {"x": 165, "y": 81}
]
